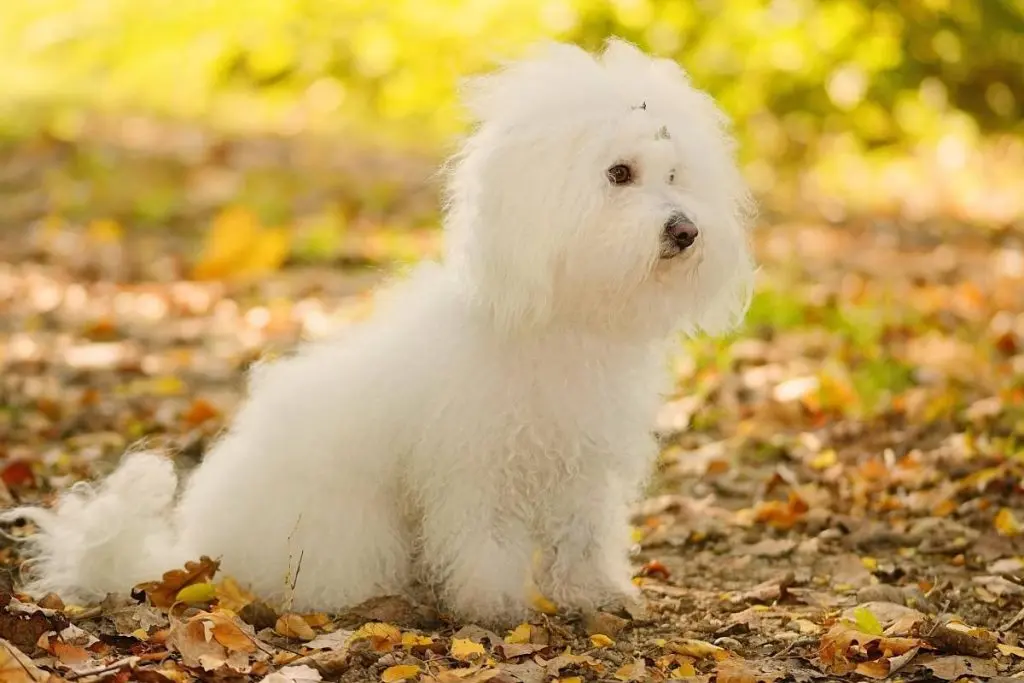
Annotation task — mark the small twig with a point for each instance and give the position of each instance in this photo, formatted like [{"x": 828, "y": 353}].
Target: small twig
[
  {"x": 75, "y": 675},
  {"x": 87, "y": 614},
  {"x": 1013, "y": 622},
  {"x": 298, "y": 568}
]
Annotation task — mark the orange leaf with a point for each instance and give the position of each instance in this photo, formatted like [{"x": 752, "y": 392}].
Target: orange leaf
[{"x": 163, "y": 593}]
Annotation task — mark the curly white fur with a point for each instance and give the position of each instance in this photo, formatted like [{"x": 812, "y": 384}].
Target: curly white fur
[{"x": 497, "y": 403}]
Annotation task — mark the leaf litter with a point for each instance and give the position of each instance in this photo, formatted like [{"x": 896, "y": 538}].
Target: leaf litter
[{"x": 839, "y": 493}]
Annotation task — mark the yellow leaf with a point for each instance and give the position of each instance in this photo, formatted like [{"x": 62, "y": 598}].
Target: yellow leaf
[
  {"x": 464, "y": 649},
  {"x": 824, "y": 460},
  {"x": 105, "y": 231},
  {"x": 696, "y": 648},
  {"x": 870, "y": 563},
  {"x": 232, "y": 596},
  {"x": 267, "y": 252},
  {"x": 410, "y": 639},
  {"x": 570, "y": 679},
  {"x": 866, "y": 621},
  {"x": 197, "y": 592},
  {"x": 542, "y": 604},
  {"x": 383, "y": 636},
  {"x": 400, "y": 672},
  {"x": 316, "y": 619},
  {"x": 227, "y": 244},
  {"x": 684, "y": 670},
  {"x": 1006, "y": 524},
  {"x": 601, "y": 640},
  {"x": 519, "y": 635}
]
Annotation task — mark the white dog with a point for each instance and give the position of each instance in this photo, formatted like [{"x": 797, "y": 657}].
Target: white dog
[{"x": 495, "y": 404}]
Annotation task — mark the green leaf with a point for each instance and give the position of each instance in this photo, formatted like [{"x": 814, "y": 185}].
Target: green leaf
[{"x": 866, "y": 621}]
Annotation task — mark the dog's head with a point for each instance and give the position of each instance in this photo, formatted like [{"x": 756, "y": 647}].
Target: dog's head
[{"x": 599, "y": 191}]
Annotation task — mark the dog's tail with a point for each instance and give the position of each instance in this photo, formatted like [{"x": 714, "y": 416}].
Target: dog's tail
[{"x": 107, "y": 538}]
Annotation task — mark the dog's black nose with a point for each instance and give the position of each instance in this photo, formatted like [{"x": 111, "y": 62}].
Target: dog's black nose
[{"x": 681, "y": 231}]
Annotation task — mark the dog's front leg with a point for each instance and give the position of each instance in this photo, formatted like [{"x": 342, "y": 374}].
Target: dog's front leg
[
  {"x": 587, "y": 562},
  {"x": 479, "y": 556}
]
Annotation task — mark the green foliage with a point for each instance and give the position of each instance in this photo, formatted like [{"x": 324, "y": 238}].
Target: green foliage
[{"x": 791, "y": 72}]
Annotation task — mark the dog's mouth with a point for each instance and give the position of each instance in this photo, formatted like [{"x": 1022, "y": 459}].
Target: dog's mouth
[{"x": 669, "y": 249}]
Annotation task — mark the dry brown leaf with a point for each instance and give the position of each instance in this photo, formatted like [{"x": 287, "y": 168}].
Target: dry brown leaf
[
  {"x": 634, "y": 671},
  {"x": 232, "y": 596},
  {"x": 15, "y": 667},
  {"x": 955, "y": 667},
  {"x": 73, "y": 656},
  {"x": 294, "y": 626},
  {"x": 212, "y": 640},
  {"x": 782, "y": 515},
  {"x": 163, "y": 593},
  {"x": 843, "y": 648},
  {"x": 229, "y": 630},
  {"x": 734, "y": 671},
  {"x": 294, "y": 674}
]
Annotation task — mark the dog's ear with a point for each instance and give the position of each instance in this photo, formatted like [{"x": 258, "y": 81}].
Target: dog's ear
[{"x": 496, "y": 240}]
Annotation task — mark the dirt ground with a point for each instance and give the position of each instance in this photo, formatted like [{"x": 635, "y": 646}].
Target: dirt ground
[{"x": 840, "y": 495}]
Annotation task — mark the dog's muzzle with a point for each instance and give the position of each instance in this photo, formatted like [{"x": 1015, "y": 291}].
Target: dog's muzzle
[{"x": 679, "y": 235}]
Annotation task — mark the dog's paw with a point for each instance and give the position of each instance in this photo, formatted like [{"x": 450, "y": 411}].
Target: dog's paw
[{"x": 594, "y": 591}]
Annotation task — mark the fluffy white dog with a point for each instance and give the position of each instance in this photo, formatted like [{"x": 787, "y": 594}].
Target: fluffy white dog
[{"x": 495, "y": 404}]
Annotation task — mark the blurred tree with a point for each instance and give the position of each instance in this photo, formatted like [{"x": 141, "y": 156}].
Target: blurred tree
[{"x": 791, "y": 72}]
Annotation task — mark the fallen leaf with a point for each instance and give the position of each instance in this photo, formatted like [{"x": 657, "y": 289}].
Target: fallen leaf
[
  {"x": 782, "y": 515},
  {"x": 17, "y": 473},
  {"x": 15, "y": 667},
  {"x": 697, "y": 649},
  {"x": 955, "y": 667},
  {"x": 734, "y": 671},
  {"x": 867, "y": 622},
  {"x": 843, "y": 648},
  {"x": 634, "y": 671},
  {"x": 73, "y": 656},
  {"x": 294, "y": 674},
  {"x": 212, "y": 640},
  {"x": 335, "y": 640},
  {"x": 232, "y": 596},
  {"x": 197, "y": 592},
  {"x": 163, "y": 593},
  {"x": 543, "y": 604},
  {"x": 294, "y": 626},
  {"x": 1006, "y": 524},
  {"x": 600, "y": 640},
  {"x": 411, "y": 640},
  {"x": 519, "y": 635},
  {"x": 466, "y": 650},
  {"x": 400, "y": 672},
  {"x": 383, "y": 637},
  {"x": 198, "y": 412}
]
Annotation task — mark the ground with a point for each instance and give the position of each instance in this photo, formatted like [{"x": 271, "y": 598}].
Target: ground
[{"x": 840, "y": 495}]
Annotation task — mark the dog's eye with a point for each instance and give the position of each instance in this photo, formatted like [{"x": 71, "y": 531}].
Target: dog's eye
[
  {"x": 672, "y": 176},
  {"x": 620, "y": 174}
]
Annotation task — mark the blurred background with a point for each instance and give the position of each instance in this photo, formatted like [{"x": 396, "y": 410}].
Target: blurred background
[{"x": 186, "y": 184}]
